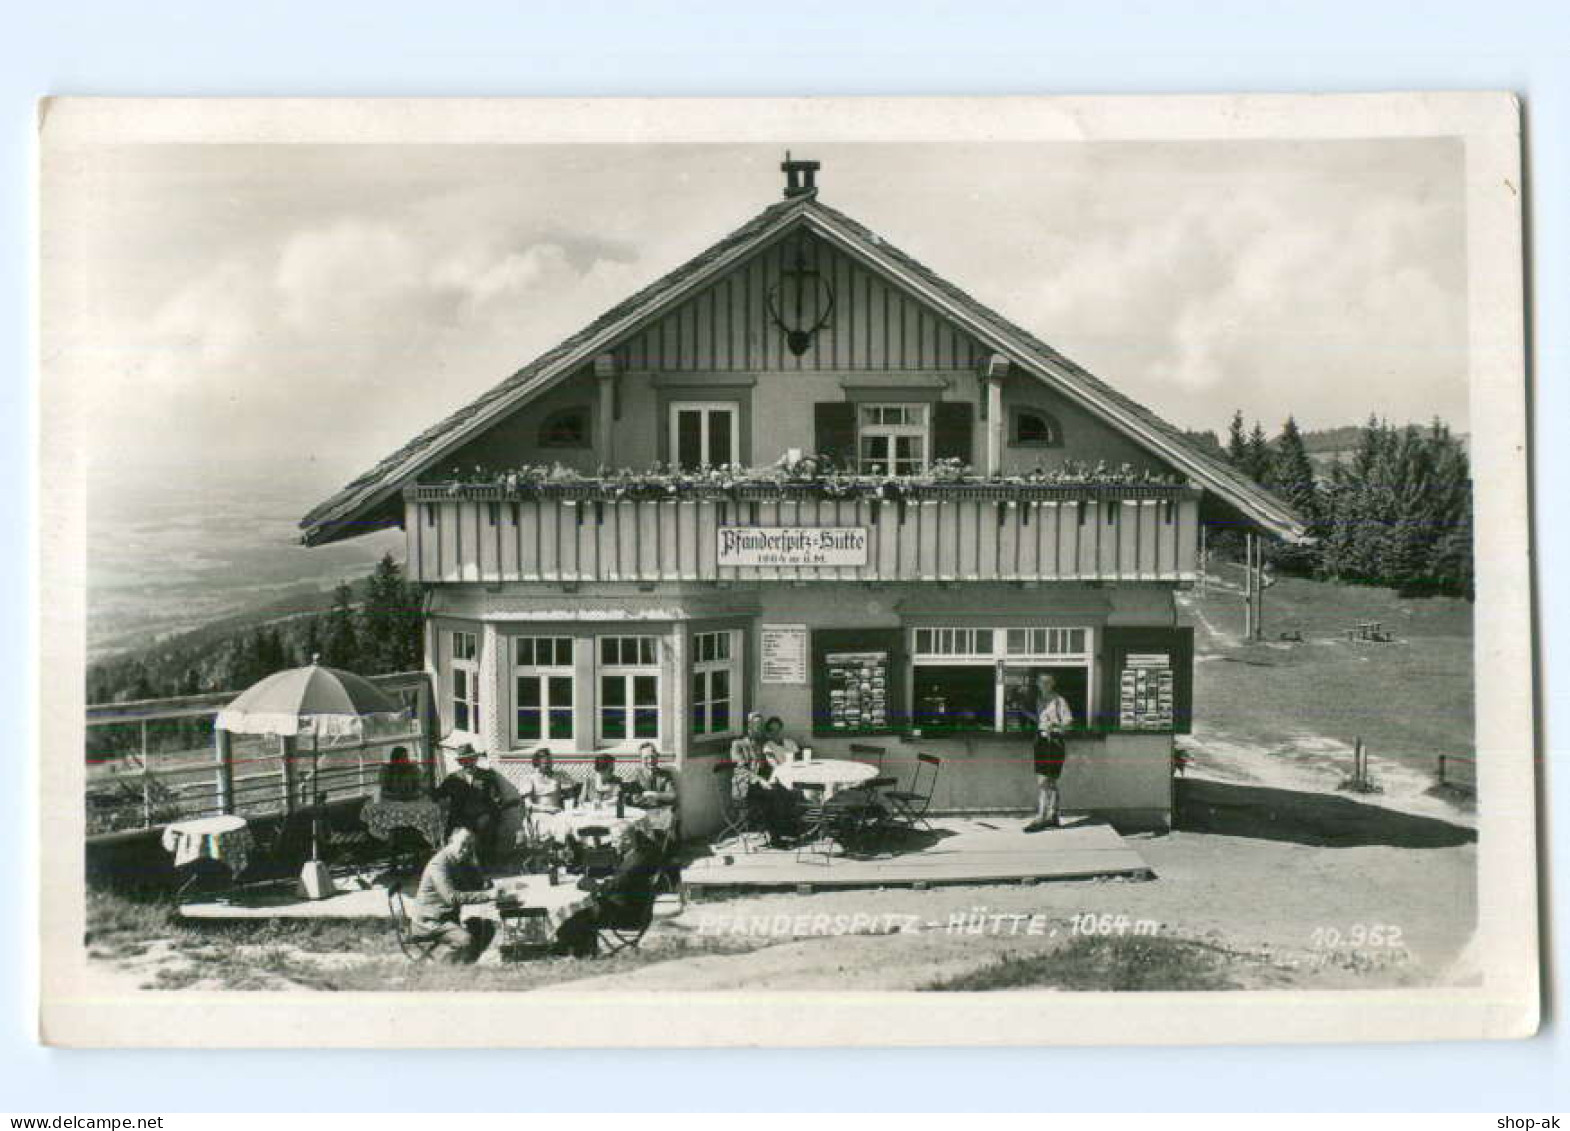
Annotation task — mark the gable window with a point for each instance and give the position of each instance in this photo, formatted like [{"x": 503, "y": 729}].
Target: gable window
[
  {"x": 543, "y": 689},
  {"x": 892, "y": 439},
  {"x": 629, "y": 674},
  {"x": 1033, "y": 428},
  {"x": 704, "y": 433},
  {"x": 714, "y": 682},
  {"x": 465, "y": 686},
  {"x": 566, "y": 428}
]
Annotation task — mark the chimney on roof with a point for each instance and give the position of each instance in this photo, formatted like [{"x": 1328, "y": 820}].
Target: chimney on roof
[{"x": 799, "y": 176}]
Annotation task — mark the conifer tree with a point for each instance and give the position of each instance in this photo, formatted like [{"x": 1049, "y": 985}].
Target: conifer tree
[
  {"x": 390, "y": 620},
  {"x": 341, "y": 638},
  {"x": 1237, "y": 444}
]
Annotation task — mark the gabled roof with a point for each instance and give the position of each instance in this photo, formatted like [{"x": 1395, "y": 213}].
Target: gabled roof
[{"x": 370, "y": 501}]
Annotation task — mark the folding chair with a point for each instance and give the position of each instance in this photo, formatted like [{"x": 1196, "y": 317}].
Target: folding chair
[
  {"x": 737, "y": 822},
  {"x": 415, "y": 949},
  {"x": 910, "y": 805},
  {"x": 599, "y": 854},
  {"x": 828, "y": 820},
  {"x": 626, "y": 934},
  {"x": 866, "y": 752},
  {"x": 525, "y": 931}
]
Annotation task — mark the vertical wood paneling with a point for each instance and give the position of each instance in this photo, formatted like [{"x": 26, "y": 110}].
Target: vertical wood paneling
[
  {"x": 948, "y": 540},
  {"x": 1188, "y": 536},
  {"x": 726, "y": 327}
]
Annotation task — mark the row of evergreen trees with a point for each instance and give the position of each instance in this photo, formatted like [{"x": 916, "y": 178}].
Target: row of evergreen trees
[
  {"x": 1397, "y": 513},
  {"x": 372, "y": 634}
]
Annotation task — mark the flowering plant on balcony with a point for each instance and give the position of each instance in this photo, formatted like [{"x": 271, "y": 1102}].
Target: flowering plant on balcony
[{"x": 810, "y": 475}]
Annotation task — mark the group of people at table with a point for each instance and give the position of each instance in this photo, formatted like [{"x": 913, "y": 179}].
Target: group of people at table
[
  {"x": 475, "y": 798},
  {"x": 758, "y": 789}
]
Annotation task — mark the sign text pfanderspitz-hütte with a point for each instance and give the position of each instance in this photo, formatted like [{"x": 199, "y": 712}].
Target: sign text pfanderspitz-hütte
[{"x": 793, "y": 546}]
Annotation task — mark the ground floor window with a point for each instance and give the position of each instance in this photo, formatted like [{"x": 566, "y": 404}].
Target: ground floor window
[
  {"x": 629, "y": 687},
  {"x": 543, "y": 697},
  {"x": 714, "y": 682},
  {"x": 465, "y": 682},
  {"x": 984, "y": 679}
]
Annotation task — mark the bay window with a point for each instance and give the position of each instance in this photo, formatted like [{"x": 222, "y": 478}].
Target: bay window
[
  {"x": 543, "y": 698},
  {"x": 465, "y": 687},
  {"x": 629, "y": 686}
]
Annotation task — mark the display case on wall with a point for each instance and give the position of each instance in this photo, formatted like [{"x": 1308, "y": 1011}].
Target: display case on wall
[
  {"x": 857, "y": 682},
  {"x": 1148, "y": 680}
]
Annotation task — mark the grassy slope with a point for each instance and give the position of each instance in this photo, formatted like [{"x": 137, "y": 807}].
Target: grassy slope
[{"x": 1409, "y": 700}]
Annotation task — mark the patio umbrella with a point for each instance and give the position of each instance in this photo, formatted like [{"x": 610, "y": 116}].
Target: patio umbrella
[{"x": 314, "y": 700}]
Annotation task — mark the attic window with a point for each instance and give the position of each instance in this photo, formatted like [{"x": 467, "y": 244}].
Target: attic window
[
  {"x": 566, "y": 428},
  {"x": 1033, "y": 428}
]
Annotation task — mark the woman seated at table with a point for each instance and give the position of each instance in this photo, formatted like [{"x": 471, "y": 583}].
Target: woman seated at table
[
  {"x": 544, "y": 788},
  {"x": 779, "y": 749},
  {"x": 603, "y": 785},
  {"x": 771, "y": 804},
  {"x": 399, "y": 779}
]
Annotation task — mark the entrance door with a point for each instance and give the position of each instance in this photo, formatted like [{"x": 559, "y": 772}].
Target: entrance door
[{"x": 704, "y": 433}]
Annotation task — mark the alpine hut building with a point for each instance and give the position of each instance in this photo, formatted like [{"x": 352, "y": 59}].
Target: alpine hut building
[{"x": 877, "y": 508}]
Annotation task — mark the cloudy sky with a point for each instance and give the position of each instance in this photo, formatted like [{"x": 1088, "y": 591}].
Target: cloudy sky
[{"x": 244, "y": 306}]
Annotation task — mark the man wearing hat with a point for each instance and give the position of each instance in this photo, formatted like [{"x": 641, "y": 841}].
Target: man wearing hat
[{"x": 474, "y": 801}]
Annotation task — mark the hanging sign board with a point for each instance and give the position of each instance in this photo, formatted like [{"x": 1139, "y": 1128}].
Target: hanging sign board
[
  {"x": 792, "y": 546},
  {"x": 782, "y": 652}
]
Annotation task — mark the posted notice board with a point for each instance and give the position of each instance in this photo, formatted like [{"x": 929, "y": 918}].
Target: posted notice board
[
  {"x": 857, "y": 682},
  {"x": 1149, "y": 680}
]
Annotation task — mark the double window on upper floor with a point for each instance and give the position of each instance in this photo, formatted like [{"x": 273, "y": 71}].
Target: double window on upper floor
[{"x": 893, "y": 438}]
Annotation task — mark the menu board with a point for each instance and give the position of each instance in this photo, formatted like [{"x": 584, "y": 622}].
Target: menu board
[
  {"x": 856, "y": 676},
  {"x": 858, "y": 685},
  {"x": 783, "y": 653},
  {"x": 1145, "y": 692}
]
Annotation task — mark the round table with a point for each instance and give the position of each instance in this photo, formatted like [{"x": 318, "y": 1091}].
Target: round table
[
  {"x": 424, "y": 815},
  {"x": 225, "y": 839},
  {"x": 833, "y": 774},
  {"x": 565, "y": 825}
]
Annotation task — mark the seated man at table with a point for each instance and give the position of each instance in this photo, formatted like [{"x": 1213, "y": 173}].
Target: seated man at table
[
  {"x": 652, "y": 786},
  {"x": 474, "y": 802},
  {"x": 623, "y": 900},
  {"x": 451, "y": 882},
  {"x": 399, "y": 779},
  {"x": 603, "y": 784},
  {"x": 544, "y": 788}
]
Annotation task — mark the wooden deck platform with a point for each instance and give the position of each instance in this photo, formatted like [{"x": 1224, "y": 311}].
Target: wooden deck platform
[
  {"x": 970, "y": 850},
  {"x": 973, "y": 850}
]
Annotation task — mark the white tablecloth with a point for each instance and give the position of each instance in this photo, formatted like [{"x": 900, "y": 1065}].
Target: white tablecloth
[
  {"x": 225, "y": 839},
  {"x": 564, "y": 826},
  {"x": 833, "y": 774},
  {"x": 560, "y": 902}
]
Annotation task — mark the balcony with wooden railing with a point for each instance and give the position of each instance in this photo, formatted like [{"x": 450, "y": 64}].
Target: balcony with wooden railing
[{"x": 977, "y": 531}]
